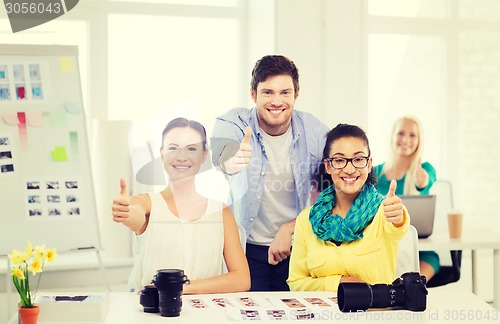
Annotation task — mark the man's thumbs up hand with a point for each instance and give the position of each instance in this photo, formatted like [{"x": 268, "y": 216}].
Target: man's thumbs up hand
[
  {"x": 393, "y": 208},
  {"x": 240, "y": 160},
  {"x": 248, "y": 135}
]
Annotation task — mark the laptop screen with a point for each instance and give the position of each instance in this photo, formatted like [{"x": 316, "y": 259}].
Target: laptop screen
[{"x": 422, "y": 209}]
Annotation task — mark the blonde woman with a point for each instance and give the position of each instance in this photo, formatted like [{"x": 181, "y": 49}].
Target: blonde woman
[{"x": 413, "y": 177}]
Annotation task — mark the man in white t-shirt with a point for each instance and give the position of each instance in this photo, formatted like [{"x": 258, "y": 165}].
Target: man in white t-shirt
[{"x": 270, "y": 154}]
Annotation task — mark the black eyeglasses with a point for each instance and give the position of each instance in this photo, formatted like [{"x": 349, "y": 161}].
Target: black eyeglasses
[{"x": 359, "y": 162}]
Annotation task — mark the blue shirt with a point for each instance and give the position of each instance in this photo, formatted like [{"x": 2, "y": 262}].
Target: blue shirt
[{"x": 246, "y": 187}]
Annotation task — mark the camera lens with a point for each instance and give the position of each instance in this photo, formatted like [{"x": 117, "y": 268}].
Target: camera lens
[
  {"x": 409, "y": 292},
  {"x": 361, "y": 296},
  {"x": 354, "y": 296},
  {"x": 169, "y": 283},
  {"x": 149, "y": 299},
  {"x": 387, "y": 296}
]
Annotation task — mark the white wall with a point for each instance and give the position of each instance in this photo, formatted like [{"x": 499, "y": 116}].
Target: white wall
[
  {"x": 110, "y": 161},
  {"x": 324, "y": 39}
]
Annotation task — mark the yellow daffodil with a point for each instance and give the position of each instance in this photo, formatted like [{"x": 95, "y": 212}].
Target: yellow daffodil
[
  {"x": 23, "y": 262},
  {"x": 29, "y": 248},
  {"x": 36, "y": 266},
  {"x": 17, "y": 257},
  {"x": 40, "y": 251},
  {"x": 17, "y": 272},
  {"x": 50, "y": 254}
]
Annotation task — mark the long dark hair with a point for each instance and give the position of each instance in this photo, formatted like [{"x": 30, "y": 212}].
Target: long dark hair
[{"x": 322, "y": 179}]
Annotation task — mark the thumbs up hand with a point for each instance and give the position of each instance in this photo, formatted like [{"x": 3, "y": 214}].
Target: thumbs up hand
[
  {"x": 393, "y": 208},
  {"x": 121, "y": 204},
  {"x": 124, "y": 211},
  {"x": 240, "y": 160},
  {"x": 421, "y": 176}
]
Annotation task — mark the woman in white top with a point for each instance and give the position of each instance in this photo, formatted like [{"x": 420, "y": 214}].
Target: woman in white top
[{"x": 179, "y": 228}]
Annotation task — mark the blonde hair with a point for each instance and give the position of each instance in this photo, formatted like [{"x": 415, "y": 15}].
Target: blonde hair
[{"x": 409, "y": 187}]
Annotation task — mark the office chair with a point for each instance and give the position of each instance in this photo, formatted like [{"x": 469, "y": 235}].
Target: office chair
[
  {"x": 448, "y": 273},
  {"x": 408, "y": 260}
]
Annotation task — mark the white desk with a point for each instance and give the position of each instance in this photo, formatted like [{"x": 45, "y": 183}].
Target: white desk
[
  {"x": 443, "y": 305},
  {"x": 472, "y": 239}
]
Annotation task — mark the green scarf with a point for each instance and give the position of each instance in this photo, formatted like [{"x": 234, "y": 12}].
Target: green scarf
[{"x": 328, "y": 227}]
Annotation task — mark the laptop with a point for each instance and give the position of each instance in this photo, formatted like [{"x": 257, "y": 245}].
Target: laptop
[{"x": 422, "y": 209}]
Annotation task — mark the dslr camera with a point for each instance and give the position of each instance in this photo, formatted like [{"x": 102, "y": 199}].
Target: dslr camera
[{"x": 409, "y": 291}]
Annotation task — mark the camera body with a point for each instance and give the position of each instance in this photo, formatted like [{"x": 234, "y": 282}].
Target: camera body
[
  {"x": 409, "y": 291},
  {"x": 415, "y": 290}
]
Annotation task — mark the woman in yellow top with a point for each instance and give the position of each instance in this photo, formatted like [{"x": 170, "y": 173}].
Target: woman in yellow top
[{"x": 351, "y": 233}]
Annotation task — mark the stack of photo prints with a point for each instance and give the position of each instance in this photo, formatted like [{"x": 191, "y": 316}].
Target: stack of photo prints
[{"x": 261, "y": 308}]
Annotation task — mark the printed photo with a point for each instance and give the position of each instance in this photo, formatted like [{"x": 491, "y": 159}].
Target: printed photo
[
  {"x": 54, "y": 212},
  {"x": 4, "y": 92},
  {"x": 292, "y": 302},
  {"x": 277, "y": 314},
  {"x": 197, "y": 303},
  {"x": 4, "y": 141},
  {"x": 35, "y": 212},
  {"x": 7, "y": 168},
  {"x": 74, "y": 211},
  {"x": 52, "y": 185},
  {"x": 333, "y": 299},
  {"x": 4, "y": 73},
  {"x": 221, "y": 302},
  {"x": 36, "y": 91},
  {"x": 18, "y": 72},
  {"x": 53, "y": 199},
  {"x": 31, "y": 185},
  {"x": 302, "y": 314},
  {"x": 250, "y": 315},
  {"x": 248, "y": 302},
  {"x": 316, "y": 301},
  {"x": 34, "y": 72},
  {"x": 72, "y": 184},
  {"x": 71, "y": 198},
  {"x": 34, "y": 200},
  {"x": 21, "y": 91},
  {"x": 6, "y": 155}
]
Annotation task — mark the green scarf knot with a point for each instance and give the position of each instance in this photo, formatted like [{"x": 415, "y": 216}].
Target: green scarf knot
[{"x": 328, "y": 227}]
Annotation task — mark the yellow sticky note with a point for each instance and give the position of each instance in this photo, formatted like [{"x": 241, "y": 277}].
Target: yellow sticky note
[
  {"x": 67, "y": 64},
  {"x": 59, "y": 154}
]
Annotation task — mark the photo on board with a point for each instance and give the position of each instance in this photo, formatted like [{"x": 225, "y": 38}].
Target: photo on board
[{"x": 7, "y": 168}]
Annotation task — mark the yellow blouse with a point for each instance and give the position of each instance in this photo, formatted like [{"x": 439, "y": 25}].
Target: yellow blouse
[{"x": 319, "y": 265}]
